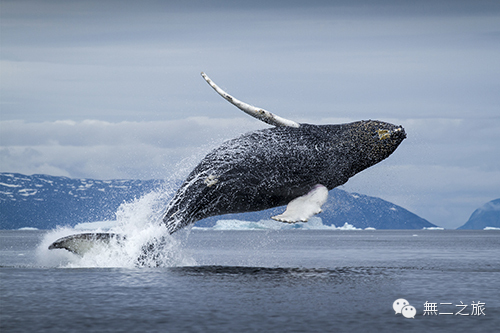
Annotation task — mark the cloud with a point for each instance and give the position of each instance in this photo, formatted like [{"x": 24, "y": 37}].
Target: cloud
[
  {"x": 166, "y": 134},
  {"x": 100, "y": 149},
  {"x": 119, "y": 62}
]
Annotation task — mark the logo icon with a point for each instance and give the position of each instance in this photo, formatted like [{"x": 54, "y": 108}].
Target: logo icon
[
  {"x": 403, "y": 306},
  {"x": 409, "y": 311},
  {"x": 399, "y": 304}
]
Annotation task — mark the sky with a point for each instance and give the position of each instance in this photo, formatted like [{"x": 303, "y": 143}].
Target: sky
[{"x": 112, "y": 89}]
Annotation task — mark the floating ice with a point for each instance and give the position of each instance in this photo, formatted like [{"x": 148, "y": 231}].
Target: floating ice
[{"x": 315, "y": 223}]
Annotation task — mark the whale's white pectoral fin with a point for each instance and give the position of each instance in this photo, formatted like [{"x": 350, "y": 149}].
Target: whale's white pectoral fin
[
  {"x": 258, "y": 113},
  {"x": 302, "y": 208}
]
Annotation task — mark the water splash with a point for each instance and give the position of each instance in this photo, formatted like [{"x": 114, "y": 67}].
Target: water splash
[{"x": 145, "y": 240}]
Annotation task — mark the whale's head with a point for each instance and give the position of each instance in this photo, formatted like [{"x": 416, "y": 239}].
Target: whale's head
[
  {"x": 374, "y": 140},
  {"x": 362, "y": 144}
]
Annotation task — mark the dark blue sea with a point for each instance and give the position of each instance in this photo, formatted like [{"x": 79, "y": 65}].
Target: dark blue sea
[{"x": 259, "y": 281}]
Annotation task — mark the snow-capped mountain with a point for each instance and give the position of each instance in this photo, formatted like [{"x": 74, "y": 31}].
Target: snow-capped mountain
[
  {"x": 44, "y": 202},
  {"x": 487, "y": 216}
]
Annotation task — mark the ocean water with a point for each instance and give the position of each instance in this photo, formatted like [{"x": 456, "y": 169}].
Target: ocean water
[{"x": 255, "y": 281}]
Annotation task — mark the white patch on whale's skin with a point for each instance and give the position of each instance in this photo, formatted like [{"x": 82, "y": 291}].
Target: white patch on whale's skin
[
  {"x": 255, "y": 112},
  {"x": 302, "y": 208},
  {"x": 211, "y": 180}
]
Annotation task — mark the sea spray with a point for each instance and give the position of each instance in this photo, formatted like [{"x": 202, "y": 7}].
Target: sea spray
[{"x": 143, "y": 241}]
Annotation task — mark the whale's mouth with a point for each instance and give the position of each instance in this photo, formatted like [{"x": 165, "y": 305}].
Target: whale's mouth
[{"x": 399, "y": 133}]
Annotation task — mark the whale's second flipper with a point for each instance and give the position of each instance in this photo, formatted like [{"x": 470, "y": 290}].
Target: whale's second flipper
[
  {"x": 302, "y": 208},
  {"x": 81, "y": 243}
]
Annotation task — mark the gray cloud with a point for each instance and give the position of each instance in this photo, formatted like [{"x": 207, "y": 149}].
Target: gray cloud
[
  {"x": 97, "y": 61},
  {"x": 179, "y": 133},
  {"x": 100, "y": 149}
]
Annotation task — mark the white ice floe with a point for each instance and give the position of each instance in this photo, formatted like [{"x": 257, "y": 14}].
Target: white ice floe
[{"x": 315, "y": 223}]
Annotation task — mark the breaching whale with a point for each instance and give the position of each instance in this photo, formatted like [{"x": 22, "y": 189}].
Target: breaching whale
[{"x": 288, "y": 163}]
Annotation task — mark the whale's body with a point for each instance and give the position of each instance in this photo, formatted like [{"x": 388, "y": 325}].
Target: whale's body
[
  {"x": 290, "y": 163},
  {"x": 271, "y": 167}
]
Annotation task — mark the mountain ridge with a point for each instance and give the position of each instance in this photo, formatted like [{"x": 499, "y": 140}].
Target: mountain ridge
[
  {"x": 45, "y": 202},
  {"x": 486, "y": 216}
]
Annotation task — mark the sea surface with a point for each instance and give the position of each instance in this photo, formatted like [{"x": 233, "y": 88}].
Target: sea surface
[{"x": 258, "y": 281}]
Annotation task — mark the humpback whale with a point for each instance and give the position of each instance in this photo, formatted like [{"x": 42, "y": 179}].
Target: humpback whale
[{"x": 290, "y": 163}]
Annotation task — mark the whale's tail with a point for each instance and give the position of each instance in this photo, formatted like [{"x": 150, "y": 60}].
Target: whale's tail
[{"x": 82, "y": 243}]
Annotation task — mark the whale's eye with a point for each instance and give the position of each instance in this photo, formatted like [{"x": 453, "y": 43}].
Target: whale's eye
[{"x": 383, "y": 134}]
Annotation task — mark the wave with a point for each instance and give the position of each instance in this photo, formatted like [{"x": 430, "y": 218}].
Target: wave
[{"x": 144, "y": 240}]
